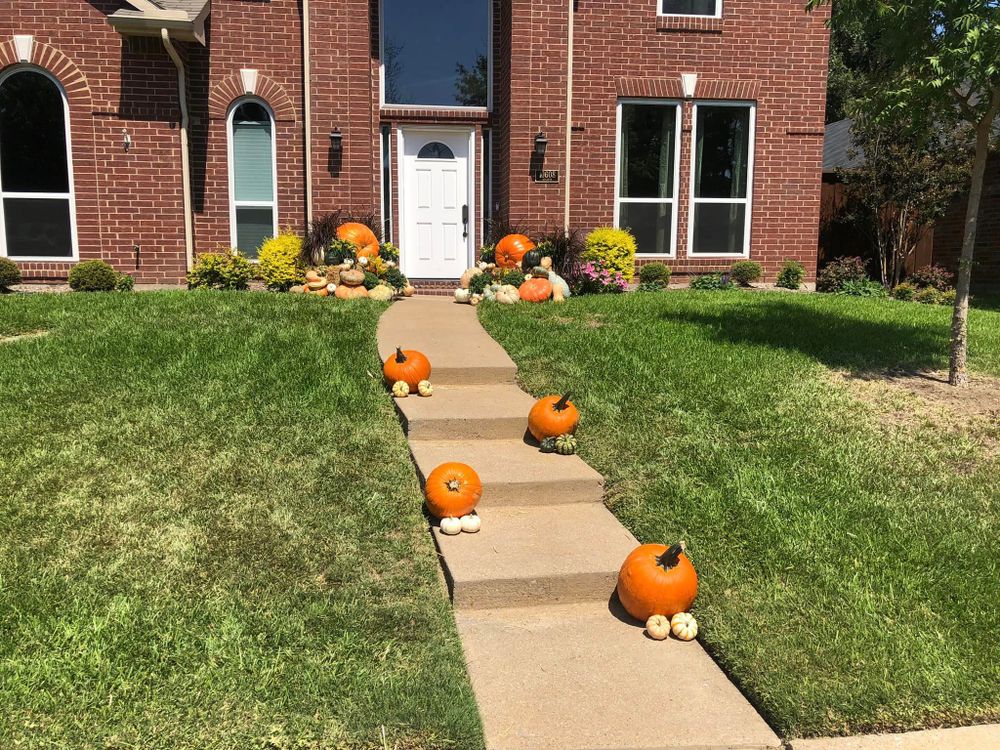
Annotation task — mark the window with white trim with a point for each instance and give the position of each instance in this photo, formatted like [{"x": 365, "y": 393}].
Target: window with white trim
[
  {"x": 252, "y": 189},
  {"x": 37, "y": 212},
  {"x": 648, "y": 146},
  {"x": 722, "y": 179},
  {"x": 710, "y": 8}
]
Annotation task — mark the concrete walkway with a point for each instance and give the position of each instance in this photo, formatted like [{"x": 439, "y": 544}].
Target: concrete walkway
[{"x": 554, "y": 664}]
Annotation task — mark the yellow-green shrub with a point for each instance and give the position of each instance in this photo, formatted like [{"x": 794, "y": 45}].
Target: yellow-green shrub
[
  {"x": 279, "y": 261},
  {"x": 614, "y": 248}
]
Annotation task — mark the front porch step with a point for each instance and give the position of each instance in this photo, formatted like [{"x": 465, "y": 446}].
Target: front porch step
[
  {"x": 602, "y": 683},
  {"x": 532, "y": 556},
  {"x": 514, "y": 473},
  {"x": 451, "y": 337},
  {"x": 476, "y": 412}
]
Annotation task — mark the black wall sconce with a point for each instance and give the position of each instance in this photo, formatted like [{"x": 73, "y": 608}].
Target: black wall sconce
[
  {"x": 541, "y": 144},
  {"x": 336, "y": 141}
]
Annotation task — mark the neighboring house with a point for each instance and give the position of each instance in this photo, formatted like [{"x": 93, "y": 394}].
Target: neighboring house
[
  {"x": 696, "y": 123},
  {"x": 941, "y": 245}
]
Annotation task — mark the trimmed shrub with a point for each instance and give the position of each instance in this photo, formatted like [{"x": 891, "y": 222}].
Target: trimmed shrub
[
  {"x": 395, "y": 278},
  {"x": 712, "y": 282},
  {"x": 791, "y": 275},
  {"x": 125, "y": 283},
  {"x": 614, "y": 249},
  {"x": 650, "y": 286},
  {"x": 92, "y": 276},
  {"x": 905, "y": 292},
  {"x": 932, "y": 276},
  {"x": 479, "y": 282},
  {"x": 863, "y": 288},
  {"x": 279, "y": 261},
  {"x": 227, "y": 270},
  {"x": 10, "y": 274},
  {"x": 655, "y": 273},
  {"x": 746, "y": 272},
  {"x": 838, "y": 272}
]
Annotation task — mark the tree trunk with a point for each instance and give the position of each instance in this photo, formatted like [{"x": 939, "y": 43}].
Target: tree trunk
[{"x": 957, "y": 374}]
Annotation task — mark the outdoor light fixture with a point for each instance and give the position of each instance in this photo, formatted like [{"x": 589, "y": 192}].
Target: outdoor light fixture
[
  {"x": 126, "y": 140},
  {"x": 336, "y": 141},
  {"x": 689, "y": 81},
  {"x": 541, "y": 143}
]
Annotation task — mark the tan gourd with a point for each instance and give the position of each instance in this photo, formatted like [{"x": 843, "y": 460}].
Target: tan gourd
[
  {"x": 684, "y": 626},
  {"x": 400, "y": 389},
  {"x": 658, "y": 627}
]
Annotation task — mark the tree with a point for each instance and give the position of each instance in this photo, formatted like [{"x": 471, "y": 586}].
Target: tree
[
  {"x": 471, "y": 84},
  {"x": 941, "y": 60},
  {"x": 906, "y": 182},
  {"x": 854, "y": 59}
]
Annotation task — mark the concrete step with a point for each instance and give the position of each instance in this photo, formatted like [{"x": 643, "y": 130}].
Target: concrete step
[
  {"x": 514, "y": 472},
  {"x": 450, "y": 335},
  {"x": 532, "y": 556},
  {"x": 602, "y": 682},
  {"x": 475, "y": 412}
]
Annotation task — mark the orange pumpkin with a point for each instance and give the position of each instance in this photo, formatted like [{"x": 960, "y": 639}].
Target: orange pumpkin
[
  {"x": 552, "y": 416},
  {"x": 350, "y": 292},
  {"x": 511, "y": 249},
  {"x": 361, "y": 236},
  {"x": 657, "y": 580},
  {"x": 409, "y": 366},
  {"x": 452, "y": 490},
  {"x": 536, "y": 290}
]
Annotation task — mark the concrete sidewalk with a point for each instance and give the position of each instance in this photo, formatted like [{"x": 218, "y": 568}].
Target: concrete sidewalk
[{"x": 554, "y": 663}]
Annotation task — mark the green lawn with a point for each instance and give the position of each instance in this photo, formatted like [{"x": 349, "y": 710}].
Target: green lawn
[
  {"x": 211, "y": 533},
  {"x": 845, "y": 534}
]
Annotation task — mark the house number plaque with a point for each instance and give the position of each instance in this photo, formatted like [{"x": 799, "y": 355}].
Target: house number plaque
[{"x": 546, "y": 175}]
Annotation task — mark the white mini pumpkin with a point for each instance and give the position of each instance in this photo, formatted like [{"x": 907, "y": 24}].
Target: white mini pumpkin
[
  {"x": 400, "y": 389},
  {"x": 425, "y": 389},
  {"x": 462, "y": 295},
  {"x": 331, "y": 288},
  {"x": 408, "y": 290},
  {"x": 451, "y": 526},
  {"x": 658, "y": 627},
  {"x": 684, "y": 626},
  {"x": 471, "y": 523},
  {"x": 508, "y": 295},
  {"x": 475, "y": 299}
]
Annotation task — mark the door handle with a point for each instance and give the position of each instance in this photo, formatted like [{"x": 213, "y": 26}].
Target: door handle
[{"x": 465, "y": 221}]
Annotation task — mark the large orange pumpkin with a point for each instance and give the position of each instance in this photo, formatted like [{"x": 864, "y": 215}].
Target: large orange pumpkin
[
  {"x": 536, "y": 290},
  {"x": 552, "y": 416},
  {"x": 350, "y": 292},
  {"x": 410, "y": 366},
  {"x": 657, "y": 580},
  {"x": 361, "y": 236},
  {"x": 511, "y": 249},
  {"x": 452, "y": 490}
]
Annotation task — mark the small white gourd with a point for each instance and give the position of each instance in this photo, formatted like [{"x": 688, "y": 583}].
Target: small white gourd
[
  {"x": 684, "y": 626},
  {"x": 400, "y": 389},
  {"x": 658, "y": 627},
  {"x": 471, "y": 524},
  {"x": 425, "y": 389},
  {"x": 451, "y": 526},
  {"x": 462, "y": 295}
]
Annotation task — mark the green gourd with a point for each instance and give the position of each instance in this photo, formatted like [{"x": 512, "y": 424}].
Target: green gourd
[
  {"x": 531, "y": 259},
  {"x": 566, "y": 445},
  {"x": 549, "y": 445}
]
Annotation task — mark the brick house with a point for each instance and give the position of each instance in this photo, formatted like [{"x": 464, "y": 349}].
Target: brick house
[{"x": 144, "y": 131}]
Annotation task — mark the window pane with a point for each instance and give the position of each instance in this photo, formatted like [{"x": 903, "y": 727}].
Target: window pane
[
  {"x": 719, "y": 228},
  {"x": 32, "y": 135},
  {"x": 647, "y": 150},
  {"x": 690, "y": 7},
  {"x": 253, "y": 226},
  {"x": 38, "y": 227},
  {"x": 723, "y": 152},
  {"x": 253, "y": 163},
  {"x": 435, "y": 52},
  {"x": 435, "y": 150},
  {"x": 651, "y": 223}
]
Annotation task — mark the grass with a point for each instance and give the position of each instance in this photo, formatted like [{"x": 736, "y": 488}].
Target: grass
[
  {"x": 211, "y": 534},
  {"x": 846, "y": 539}
]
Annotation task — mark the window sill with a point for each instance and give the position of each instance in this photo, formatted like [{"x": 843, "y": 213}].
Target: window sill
[
  {"x": 414, "y": 112},
  {"x": 689, "y": 24}
]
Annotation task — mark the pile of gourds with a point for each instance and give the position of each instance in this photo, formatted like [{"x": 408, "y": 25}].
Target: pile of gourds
[
  {"x": 408, "y": 371},
  {"x": 552, "y": 421},
  {"x": 516, "y": 250},
  {"x": 658, "y": 584},
  {"x": 452, "y": 492}
]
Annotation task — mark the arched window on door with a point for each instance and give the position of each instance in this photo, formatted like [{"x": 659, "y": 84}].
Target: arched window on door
[
  {"x": 37, "y": 211},
  {"x": 253, "y": 207}
]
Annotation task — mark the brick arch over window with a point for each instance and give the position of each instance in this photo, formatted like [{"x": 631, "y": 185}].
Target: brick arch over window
[
  {"x": 64, "y": 70},
  {"x": 228, "y": 90}
]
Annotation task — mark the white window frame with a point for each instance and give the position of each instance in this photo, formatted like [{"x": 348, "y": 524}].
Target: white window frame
[
  {"x": 233, "y": 203},
  {"x": 664, "y": 14},
  {"x": 675, "y": 199},
  {"x": 68, "y": 196},
  {"x": 435, "y": 107},
  {"x": 747, "y": 201}
]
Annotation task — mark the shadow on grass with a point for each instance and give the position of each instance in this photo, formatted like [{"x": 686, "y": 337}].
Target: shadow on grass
[{"x": 852, "y": 340}]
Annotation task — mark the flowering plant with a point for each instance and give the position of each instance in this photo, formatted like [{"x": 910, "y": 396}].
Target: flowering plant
[{"x": 593, "y": 277}]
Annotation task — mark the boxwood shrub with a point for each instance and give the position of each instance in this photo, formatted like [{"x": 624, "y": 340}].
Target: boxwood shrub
[{"x": 92, "y": 276}]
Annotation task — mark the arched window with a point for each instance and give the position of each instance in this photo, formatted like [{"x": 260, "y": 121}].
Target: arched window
[
  {"x": 253, "y": 211},
  {"x": 37, "y": 213},
  {"x": 435, "y": 150}
]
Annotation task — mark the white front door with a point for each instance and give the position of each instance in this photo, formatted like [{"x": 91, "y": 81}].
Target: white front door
[{"x": 435, "y": 202}]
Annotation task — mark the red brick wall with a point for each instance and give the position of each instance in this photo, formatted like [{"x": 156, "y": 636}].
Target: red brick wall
[{"x": 950, "y": 230}]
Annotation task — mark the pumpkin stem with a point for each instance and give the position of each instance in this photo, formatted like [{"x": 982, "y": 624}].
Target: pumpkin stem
[
  {"x": 672, "y": 556},
  {"x": 400, "y": 357},
  {"x": 562, "y": 403},
  {"x": 454, "y": 485}
]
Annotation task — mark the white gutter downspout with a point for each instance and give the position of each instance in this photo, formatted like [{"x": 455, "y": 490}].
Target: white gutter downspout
[
  {"x": 307, "y": 107},
  {"x": 569, "y": 112},
  {"x": 185, "y": 162}
]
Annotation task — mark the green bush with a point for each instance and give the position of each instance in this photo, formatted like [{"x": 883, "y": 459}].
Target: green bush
[
  {"x": 394, "y": 278},
  {"x": 124, "y": 283},
  {"x": 655, "y": 273},
  {"x": 279, "y": 261},
  {"x": 745, "y": 272},
  {"x": 488, "y": 254},
  {"x": 613, "y": 248},
  {"x": 92, "y": 276},
  {"x": 791, "y": 275},
  {"x": 931, "y": 296},
  {"x": 512, "y": 276},
  {"x": 10, "y": 274},
  {"x": 933, "y": 276},
  {"x": 227, "y": 270},
  {"x": 712, "y": 281},
  {"x": 340, "y": 250},
  {"x": 371, "y": 280},
  {"x": 948, "y": 297},
  {"x": 479, "y": 282},
  {"x": 905, "y": 292},
  {"x": 650, "y": 286},
  {"x": 863, "y": 288},
  {"x": 838, "y": 272},
  {"x": 388, "y": 251}
]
